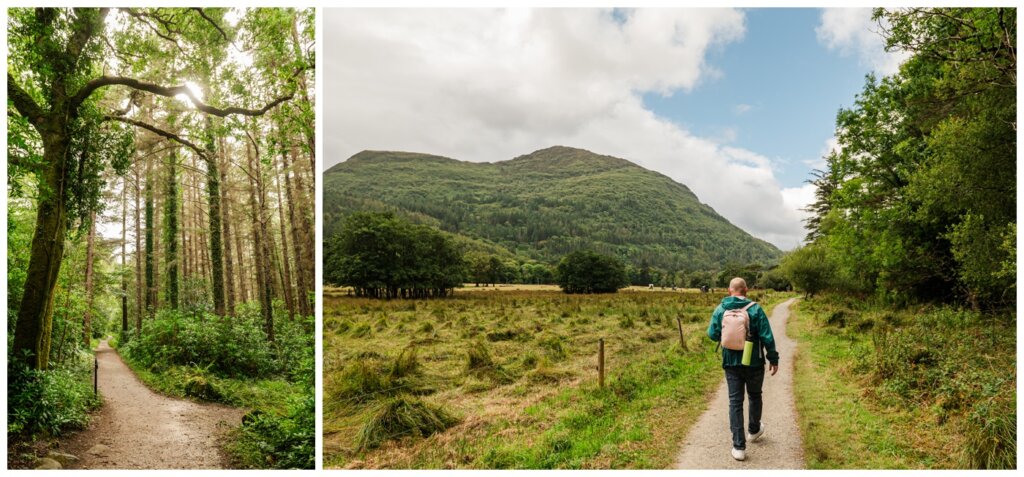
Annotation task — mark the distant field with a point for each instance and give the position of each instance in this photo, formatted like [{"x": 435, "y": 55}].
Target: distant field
[
  {"x": 469, "y": 287},
  {"x": 511, "y": 372}
]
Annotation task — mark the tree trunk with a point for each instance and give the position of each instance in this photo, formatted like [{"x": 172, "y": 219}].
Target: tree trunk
[
  {"x": 124, "y": 269},
  {"x": 150, "y": 282},
  {"x": 262, "y": 270},
  {"x": 31, "y": 343},
  {"x": 90, "y": 251},
  {"x": 213, "y": 195},
  {"x": 243, "y": 278},
  {"x": 229, "y": 279},
  {"x": 288, "y": 297},
  {"x": 171, "y": 230},
  {"x": 301, "y": 239},
  {"x": 138, "y": 253}
]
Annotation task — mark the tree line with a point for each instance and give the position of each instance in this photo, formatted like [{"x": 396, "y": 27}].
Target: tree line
[
  {"x": 918, "y": 202},
  {"x": 382, "y": 255}
]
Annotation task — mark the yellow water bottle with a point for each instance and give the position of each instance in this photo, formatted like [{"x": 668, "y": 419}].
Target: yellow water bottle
[{"x": 748, "y": 349}]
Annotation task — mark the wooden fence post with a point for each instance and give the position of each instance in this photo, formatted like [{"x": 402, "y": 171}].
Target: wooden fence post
[
  {"x": 682, "y": 341},
  {"x": 600, "y": 362}
]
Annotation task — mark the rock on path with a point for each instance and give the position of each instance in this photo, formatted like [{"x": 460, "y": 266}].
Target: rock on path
[
  {"x": 708, "y": 444},
  {"x": 139, "y": 429}
]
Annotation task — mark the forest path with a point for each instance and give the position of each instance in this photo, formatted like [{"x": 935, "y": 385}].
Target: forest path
[
  {"x": 139, "y": 429},
  {"x": 708, "y": 444}
]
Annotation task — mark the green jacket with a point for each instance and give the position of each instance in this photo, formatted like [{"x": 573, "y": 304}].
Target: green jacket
[{"x": 761, "y": 329}]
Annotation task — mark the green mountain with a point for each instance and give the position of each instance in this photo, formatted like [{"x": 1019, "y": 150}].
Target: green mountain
[{"x": 544, "y": 205}]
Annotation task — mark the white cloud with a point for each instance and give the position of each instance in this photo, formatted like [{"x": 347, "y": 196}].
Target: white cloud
[
  {"x": 741, "y": 108},
  {"x": 853, "y": 32},
  {"x": 831, "y": 144},
  {"x": 489, "y": 85}
]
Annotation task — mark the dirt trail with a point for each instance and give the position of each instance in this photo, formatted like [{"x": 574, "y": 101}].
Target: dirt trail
[
  {"x": 139, "y": 429},
  {"x": 708, "y": 444}
]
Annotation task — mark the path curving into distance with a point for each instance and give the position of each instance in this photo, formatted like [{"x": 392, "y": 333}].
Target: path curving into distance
[
  {"x": 708, "y": 444},
  {"x": 139, "y": 429}
]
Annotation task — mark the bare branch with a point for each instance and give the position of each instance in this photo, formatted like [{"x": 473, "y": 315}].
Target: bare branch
[
  {"x": 170, "y": 92},
  {"x": 159, "y": 132}
]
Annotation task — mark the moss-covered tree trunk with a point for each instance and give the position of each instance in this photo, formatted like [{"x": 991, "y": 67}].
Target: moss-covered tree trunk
[
  {"x": 213, "y": 197},
  {"x": 90, "y": 252},
  {"x": 150, "y": 281},
  {"x": 32, "y": 330},
  {"x": 139, "y": 284},
  {"x": 124, "y": 244},
  {"x": 171, "y": 230},
  {"x": 229, "y": 279}
]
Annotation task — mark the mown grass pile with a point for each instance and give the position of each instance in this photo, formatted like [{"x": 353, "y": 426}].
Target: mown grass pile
[
  {"x": 229, "y": 360},
  {"x": 941, "y": 384},
  {"x": 502, "y": 379}
]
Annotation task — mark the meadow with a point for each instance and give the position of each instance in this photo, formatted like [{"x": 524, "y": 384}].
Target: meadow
[
  {"x": 507, "y": 378},
  {"x": 928, "y": 387}
]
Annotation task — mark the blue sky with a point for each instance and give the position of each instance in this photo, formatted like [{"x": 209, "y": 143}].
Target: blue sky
[
  {"x": 710, "y": 97},
  {"x": 777, "y": 94}
]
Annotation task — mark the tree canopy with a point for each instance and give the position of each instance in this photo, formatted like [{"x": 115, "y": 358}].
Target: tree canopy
[
  {"x": 920, "y": 197},
  {"x": 584, "y": 271},
  {"x": 383, "y": 256}
]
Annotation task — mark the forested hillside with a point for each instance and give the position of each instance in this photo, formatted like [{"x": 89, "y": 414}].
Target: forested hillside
[
  {"x": 546, "y": 204},
  {"x": 160, "y": 181}
]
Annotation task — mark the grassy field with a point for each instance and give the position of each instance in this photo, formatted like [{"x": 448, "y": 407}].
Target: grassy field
[
  {"x": 929, "y": 388},
  {"x": 507, "y": 378}
]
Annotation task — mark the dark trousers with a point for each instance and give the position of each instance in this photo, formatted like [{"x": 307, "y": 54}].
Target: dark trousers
[{"x": 738, "y": 378}]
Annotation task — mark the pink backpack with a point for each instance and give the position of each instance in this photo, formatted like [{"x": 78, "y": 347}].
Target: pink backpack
[{"x": 735, "y": 327}]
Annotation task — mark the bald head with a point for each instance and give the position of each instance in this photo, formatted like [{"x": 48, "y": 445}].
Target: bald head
[{"x": 738, "y": 287}]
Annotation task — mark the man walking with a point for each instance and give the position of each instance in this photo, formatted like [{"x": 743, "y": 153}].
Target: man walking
[{"x": 740, "y": 376}]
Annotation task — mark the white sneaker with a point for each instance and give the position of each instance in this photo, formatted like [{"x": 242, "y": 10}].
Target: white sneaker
[
  {"x": 739, "y": 454},
  {"x": 755, "y": 437}
]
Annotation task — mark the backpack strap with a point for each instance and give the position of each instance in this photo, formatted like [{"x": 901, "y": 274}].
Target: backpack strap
[{"x": 750, "y": 332}]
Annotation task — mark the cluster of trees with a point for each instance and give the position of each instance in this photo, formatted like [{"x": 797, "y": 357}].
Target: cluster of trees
[
  {"x": 918, "y": 203},
  {"x": 191, "y": 131},
  {"x": 584, "y": 271},
  {"x": 383, "y": 256}
]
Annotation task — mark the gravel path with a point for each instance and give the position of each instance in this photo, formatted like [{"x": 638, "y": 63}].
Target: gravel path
[
  {"x": 708, "y": 444},
  {"x": 139, "y": 429}
]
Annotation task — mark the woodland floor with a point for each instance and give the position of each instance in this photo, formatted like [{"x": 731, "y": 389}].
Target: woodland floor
[
  {"x": 139, "y": 429},
  {"x": 709, "y": 443}
]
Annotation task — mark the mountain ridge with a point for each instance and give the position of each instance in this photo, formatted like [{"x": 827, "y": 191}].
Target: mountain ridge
[{"x": 542, "y": 205}]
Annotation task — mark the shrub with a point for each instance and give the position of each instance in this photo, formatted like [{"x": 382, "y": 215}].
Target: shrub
[
  {"x": 279, "y": 441},
  {"x": 402, "y": 416},
  {"x": 50, "y": 401}
]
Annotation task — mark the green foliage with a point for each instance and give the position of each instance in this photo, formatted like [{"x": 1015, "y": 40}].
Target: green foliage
[
  {"x": 50, "y": 402},
  {"x": 544, "y": 205},
  {"x": 921, "y": 195},
  {"x": 383, "y": 256},
  {"x": 584, "y": 271},
  {"x": 808, "y": 268},
  {"x": 279, "y": 440},
  {"x": 232, "y": 347},
  {"x": 400, "y": 416}
]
